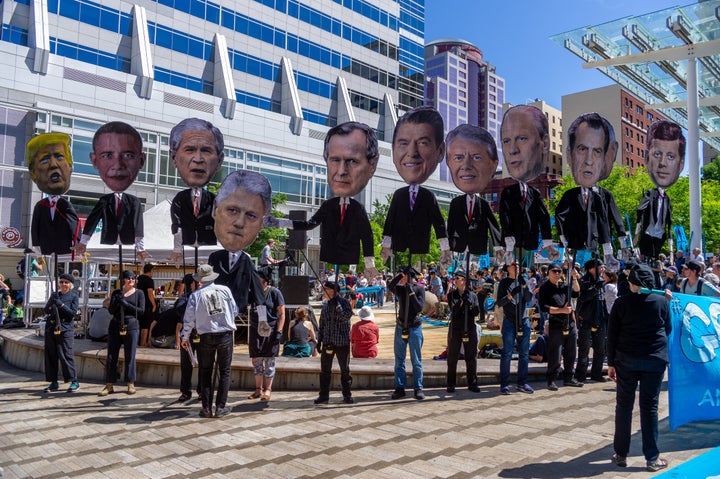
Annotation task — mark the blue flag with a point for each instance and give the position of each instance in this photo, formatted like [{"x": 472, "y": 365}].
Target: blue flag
[{"x": 694, "y": 349}]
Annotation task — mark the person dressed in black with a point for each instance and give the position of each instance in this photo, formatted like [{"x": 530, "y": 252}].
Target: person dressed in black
[
  {"x": 146, "y": 284},
  {"x": 554, "y": 299},
  {"x": 61, "y": 309},
  {"x": 638, "y": 331},
  {"x": 464, "y": 307},
  {"x": 126, "y": 305},
  {"x": 186, "y": 365},
  {"x": 408, "y": 331},
  {"x": 591, "y": 322},
  {"x": 265, "y": 335},
  {"x": 334, "y": 340}
]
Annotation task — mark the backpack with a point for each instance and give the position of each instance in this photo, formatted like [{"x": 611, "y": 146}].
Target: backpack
[{"x": 698, "y": 287}]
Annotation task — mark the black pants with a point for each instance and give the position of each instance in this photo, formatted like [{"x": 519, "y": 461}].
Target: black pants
[
  {"x": 129, "y": 344},
  {"x": 59, "y": 348},
  {"x": 587, "y": 338},
  {"x": 215, "y": 347},
  {"x": 343, "y": 359},
  {"x": 186, "y": 370},
  {"x": 561, "y": 345},
  {"x": 470, "y": 351}
]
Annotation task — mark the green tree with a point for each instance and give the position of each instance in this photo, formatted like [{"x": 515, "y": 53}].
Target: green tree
[
  {"x": 278, "y": 234},
  {"x": 711, "y": 171}
]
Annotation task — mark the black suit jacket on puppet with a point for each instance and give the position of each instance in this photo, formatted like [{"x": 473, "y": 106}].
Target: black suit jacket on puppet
[
  {"x": 527, "y": 221},
  {"x": 473, "y": 234},
  {"x": 242, "y": 279},
  {"x": 650, "y": 244},
  {"x": 586, "y": 228},
  {"x": 127, "y": 227},
  {"x": 340, "y": 244},
  {"x": 57, "y": 235},
  {"x": 194, "y": 229},
  {"x": 411, "y": 229}
]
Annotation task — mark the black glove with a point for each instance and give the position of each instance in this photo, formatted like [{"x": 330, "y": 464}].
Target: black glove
[
  {"x": 277, "y": 337},
  {"x": 58, "y": 303},
  {"x": 319, "y": 347}
]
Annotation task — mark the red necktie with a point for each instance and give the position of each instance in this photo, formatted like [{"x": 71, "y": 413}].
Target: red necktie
[
  {"x": 342, "y": 212},
  {"x": 118, "y": 206},
  {"x": 196, "y": 205},
  {"x": 470, "y": 209}
]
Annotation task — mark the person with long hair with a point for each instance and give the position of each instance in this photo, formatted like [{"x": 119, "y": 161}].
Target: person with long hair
[{"x": 301, "y": 333}]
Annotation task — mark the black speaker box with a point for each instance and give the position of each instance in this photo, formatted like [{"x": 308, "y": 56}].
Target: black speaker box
[
  {"x": 297, "y": 239},
  {"x": 295, "y": 289}
]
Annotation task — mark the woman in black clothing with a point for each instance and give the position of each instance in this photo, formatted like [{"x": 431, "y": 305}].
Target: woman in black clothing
[
  {"x": 61, "y": 309},
  {"x": 126, "y": 305},
  {"x": 637, "y": 353}
]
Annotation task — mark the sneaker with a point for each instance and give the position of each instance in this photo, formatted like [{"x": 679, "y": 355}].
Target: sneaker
[
  {"x": 619, "y": 461},
  {"x": 505, "y": 390},
  {"x": 348, "y": 400},
  {"x": 419, "y": 394},
  {"x": 473, "y": 388},
  {"x": 656, "y": 465},
  {"x": 222, "y": 411},
  {"x": 184, "y": 397},
  {"x": 204, "y": 412},
  {"x": 74, "y": 386},
  {"x": 52, "y": 387},
  {"x": 552, "y": 386},
  {"x": 601, "y": 379},
  {"x": 573, "y": 383},
  {"x": 320, "y": 400},
  {"x": 450, "y": 389},
  {"x": 131, "y": 389},
  {"x": 398, "y": 393},
  {"x": 525, "y": 388}
]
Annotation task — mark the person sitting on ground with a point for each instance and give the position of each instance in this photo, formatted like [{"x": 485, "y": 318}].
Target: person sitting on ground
[
  {"x": 365, "y": 335},
  {"x": 164, "y": 332},
  {"x": 99, "y": 323},
  {"x": 538, "y": 349},
  {"x": 14, "y": 315},
  {"x": 301, "y": 333}
]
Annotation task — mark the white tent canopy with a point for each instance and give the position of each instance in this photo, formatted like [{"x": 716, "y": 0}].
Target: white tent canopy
[{"x": 158, "y": 240}]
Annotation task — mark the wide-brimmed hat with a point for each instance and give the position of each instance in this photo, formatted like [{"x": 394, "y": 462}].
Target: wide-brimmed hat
[
  {"x": 410, "y": 271},
  {"x": 366, "y": 313},
  {"x": 331, "y": 285},
  {"x": 205, "y": 274},
  {"x": 592, "y": 263}
]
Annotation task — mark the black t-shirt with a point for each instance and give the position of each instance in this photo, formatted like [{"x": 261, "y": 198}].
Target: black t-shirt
[{"x": 144, "y": 283}]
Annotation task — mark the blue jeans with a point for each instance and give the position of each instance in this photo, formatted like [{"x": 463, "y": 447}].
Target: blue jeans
[
  {"x": 509, "y": 339},
  {"x": 415, "y": 341},
  {"x": 215, "y": 347},
  {"x": 649, "y": 374}
]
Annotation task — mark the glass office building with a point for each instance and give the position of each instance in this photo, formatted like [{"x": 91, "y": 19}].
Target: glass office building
[{"x": 273, "y": 75}]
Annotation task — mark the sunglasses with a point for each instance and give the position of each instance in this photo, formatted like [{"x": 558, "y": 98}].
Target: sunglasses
[{"x": 556, "y": 271}]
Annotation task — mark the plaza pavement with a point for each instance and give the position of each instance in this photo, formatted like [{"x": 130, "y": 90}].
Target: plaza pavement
[{"x": 547, "y": 435}]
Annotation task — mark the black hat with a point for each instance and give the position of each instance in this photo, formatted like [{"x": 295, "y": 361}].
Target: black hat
[
  {"x": 128, "y": 273},
  {"x": 460, "y": 273},
  {"x": 67, "y": 277},
  {"x": 694, "y": 266},
  {"x": 410, "y": 271},
  {"x": 593, "y": 263},
  {"x": 332, "y": 285},
  {"x": 265, "y": 273},
  {"x": 641, "y": 275}
]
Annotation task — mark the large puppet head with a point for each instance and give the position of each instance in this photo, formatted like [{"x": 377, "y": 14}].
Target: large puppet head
[
  {"x": 351, "y": 154},
  {"x": 242, "y": 201},
  {"x": 471, "y": 157},
  {"x": 665, "y": 153},
  {"x": 50, "y": 162},
  {"x": 418, "y": 145},
  {"x": 196, "y": 150},
  {"x": 525, "y": 142},
  {"x": 117, "y": 154},
  {"x": 591, "y": 149}
]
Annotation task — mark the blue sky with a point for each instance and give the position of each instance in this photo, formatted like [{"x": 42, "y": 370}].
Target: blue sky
[{"x": 514, "y": 37}]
